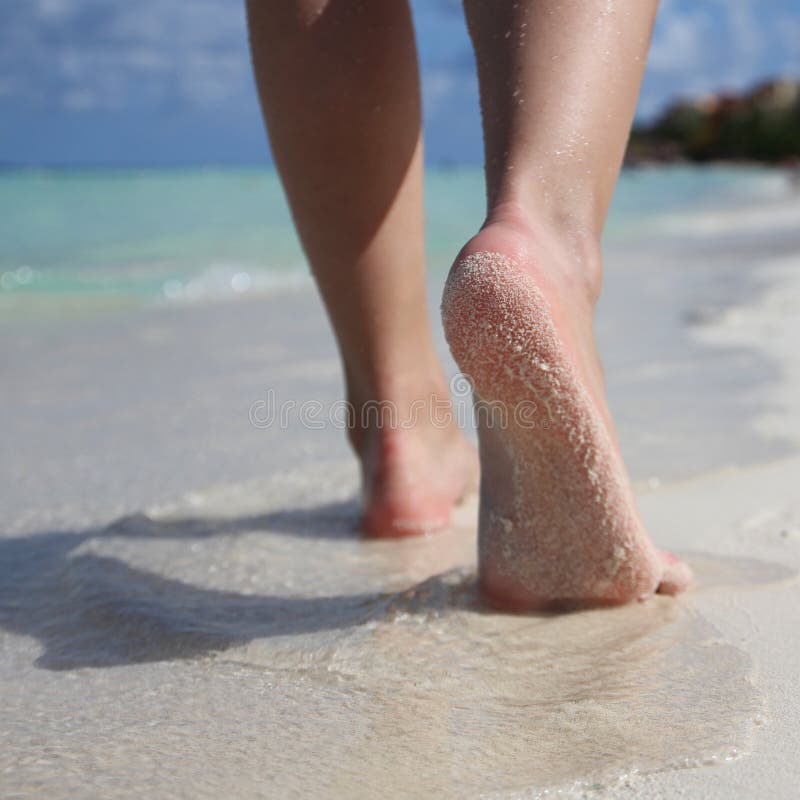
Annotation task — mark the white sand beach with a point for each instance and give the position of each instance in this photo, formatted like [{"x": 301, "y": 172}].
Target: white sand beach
[{"x": 187, "y": 611}]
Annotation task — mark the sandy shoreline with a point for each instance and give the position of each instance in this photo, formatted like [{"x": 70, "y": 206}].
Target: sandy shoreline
[{"x": 132, "y": 660}]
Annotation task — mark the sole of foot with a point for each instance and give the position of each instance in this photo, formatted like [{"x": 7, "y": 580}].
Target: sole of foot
[{"x": 558, "y": 523}]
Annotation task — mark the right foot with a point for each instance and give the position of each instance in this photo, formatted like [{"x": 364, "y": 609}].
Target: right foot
[{"x": 558, "y": 521}]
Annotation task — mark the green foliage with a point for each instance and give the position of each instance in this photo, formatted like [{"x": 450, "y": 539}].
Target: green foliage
[{"x": 762, "y": 125}]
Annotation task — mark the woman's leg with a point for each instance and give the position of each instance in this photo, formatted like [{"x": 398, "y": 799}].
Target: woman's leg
[
  {"x": 558, "y": 523},
  {"x": 339, "y": 87}
]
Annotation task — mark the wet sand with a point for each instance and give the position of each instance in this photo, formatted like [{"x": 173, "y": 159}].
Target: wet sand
[{"x": 186, "y": 611}]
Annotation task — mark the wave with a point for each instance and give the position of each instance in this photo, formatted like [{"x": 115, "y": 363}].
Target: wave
[{"x": 159, "y": 284}]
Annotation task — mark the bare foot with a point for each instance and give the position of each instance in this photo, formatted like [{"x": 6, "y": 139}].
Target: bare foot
[
  {"x": 558, "y": 521},
  {"x": 412, "y": 478}
]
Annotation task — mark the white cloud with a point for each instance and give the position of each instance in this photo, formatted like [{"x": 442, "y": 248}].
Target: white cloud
[
  {"x": 152, "y": 54},
  {"x": 79, "y": 100},
  {"x": 81, "y": 54},
  {"x": 54, "y": 9},
  {"x": 678, "y": 42},
  {"x": 707, "y": 45}
]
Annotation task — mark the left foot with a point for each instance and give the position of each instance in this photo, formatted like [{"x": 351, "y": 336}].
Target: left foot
[{"x": 413, "y": 476}]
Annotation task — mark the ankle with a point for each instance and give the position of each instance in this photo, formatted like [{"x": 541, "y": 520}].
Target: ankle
[
  {"x": 385, "y": 412},
  {"x": 575, "y": 249}
]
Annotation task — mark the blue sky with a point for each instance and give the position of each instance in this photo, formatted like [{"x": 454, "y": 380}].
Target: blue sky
[{"x": 168, "y": 81}]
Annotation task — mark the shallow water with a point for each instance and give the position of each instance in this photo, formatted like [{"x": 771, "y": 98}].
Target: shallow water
[
  {"x": 244, "y": 640},
  {"x": 108, "y": 238}
]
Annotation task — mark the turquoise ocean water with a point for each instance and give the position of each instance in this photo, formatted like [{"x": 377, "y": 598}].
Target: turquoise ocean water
[{"x": 123, "y": 237}]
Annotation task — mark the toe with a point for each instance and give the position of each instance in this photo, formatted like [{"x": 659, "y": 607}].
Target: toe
[{"x": 677, "y": 575}]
